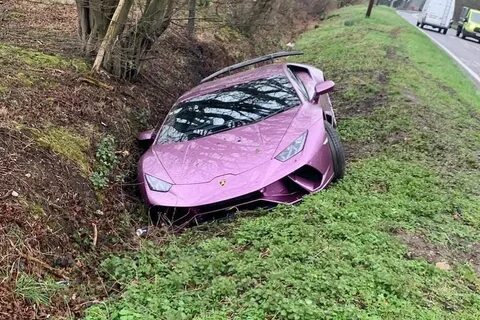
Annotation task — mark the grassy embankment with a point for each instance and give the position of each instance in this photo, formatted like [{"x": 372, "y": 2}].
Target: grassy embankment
[{"x": 397, "y": 238}]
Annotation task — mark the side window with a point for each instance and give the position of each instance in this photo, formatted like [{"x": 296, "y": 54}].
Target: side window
[
  {"x": 304, "y": 80},
  {"x": 300, "y": 84}
]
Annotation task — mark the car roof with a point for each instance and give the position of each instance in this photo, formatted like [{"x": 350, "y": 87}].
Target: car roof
[{"x": 231, "y": 80}]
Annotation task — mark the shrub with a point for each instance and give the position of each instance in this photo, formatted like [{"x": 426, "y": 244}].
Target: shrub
[{"x": 106, "y": 159}]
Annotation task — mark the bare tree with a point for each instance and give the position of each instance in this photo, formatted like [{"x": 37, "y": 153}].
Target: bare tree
[
  {"x": 192, "y": 4},
  {"x": 121, "y": 32},
  {"x": 247, "y": 16}
]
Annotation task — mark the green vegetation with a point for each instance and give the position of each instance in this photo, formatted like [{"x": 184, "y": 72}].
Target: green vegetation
[
  {"x": 36, "y": 291},
  {"x": 27, "y": 68},
  {"x": 410, "y": 118},
  {"x": 105, "y": 161},
  {"x": 67, "y": 144},
  {"x": 35, "y": 209},
  {"x": 33, "y": 58}
]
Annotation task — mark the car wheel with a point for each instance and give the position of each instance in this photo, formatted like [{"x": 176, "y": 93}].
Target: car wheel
[
  {"x": 418, "y": 24},
  {"x": 338, "y": 154},
  {"x": 463, "y": 35},
  {"x": 458, "y": 31},
  {"x": 422, "y": 25},
  {"x": 445, "y": 31}
]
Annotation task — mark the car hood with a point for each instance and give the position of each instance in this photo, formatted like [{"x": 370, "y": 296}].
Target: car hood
[{"x": 230, "y": 152}]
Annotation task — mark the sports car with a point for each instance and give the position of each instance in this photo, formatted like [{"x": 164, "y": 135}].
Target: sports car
[{"x": 258, "y": 137}]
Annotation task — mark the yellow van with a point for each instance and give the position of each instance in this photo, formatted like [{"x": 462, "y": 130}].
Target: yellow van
[{"x": 469, "y": 24}]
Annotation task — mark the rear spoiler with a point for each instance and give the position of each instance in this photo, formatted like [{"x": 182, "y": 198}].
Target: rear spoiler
[{"x": 270, "y": 57}]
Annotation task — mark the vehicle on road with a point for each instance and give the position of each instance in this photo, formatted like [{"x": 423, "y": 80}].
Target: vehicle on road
[
  {"x": 437, "y": 14},
  {"x": 469, "y": 24},
  {"x": 254, "y": 138}
]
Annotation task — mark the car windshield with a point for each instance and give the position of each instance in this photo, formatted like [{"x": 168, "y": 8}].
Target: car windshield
[
  {"x": 228, "y": 108},
  {"x": 475, "y": 17}
]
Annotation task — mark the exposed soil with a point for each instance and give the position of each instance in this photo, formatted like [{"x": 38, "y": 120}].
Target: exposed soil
[
  {"x": 39, "y": 25},
  {"x": 361, "y": 105},
  {"x": 420, "y": 247},
  {"x": 364, "y": 107},
  {"x": 395, "y": 32},
  {"x": 358, "y": 150}
]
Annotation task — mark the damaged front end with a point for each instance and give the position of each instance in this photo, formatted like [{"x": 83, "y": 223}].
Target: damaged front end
[{"x": 287, "y": 190}]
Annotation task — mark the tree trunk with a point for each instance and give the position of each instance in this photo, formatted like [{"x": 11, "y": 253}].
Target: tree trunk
[
  {"x": 128, "y": 53},
  {"x": 191, "y": 18},
  {"x": 93, "y": 20},
  {"x": 120, "y": 45},
  {"x": 116, "y": 25},
  {"x": 369, "y": 8},
  {"x": 83, "y": 10}
]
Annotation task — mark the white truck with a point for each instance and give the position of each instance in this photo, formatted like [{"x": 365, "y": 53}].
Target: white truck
[{"x": 437, "y": 14}]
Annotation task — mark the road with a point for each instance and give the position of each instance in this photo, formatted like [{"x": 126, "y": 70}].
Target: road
[{"x": 464, "y": 52}]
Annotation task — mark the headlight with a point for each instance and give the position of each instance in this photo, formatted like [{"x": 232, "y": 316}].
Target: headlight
[
  {"x": 293, "y": 149},
  {"x": 157, "y": 184}
]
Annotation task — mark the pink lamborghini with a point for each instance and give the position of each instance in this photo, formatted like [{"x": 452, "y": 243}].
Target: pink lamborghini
[{"x": 254, "y": 138}]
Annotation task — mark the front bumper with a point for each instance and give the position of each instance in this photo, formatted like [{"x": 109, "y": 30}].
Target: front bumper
[
  {"x": 475, "y": 35},
  {"x": 270, "y": 183},
  {"x": 287, "y": 190}
]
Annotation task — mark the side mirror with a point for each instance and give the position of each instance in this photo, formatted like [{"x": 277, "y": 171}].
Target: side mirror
[
  {"x": 323, "y": 88},
  {"x": 146, "y": 135},
  {"x": 146, "y": 138}
]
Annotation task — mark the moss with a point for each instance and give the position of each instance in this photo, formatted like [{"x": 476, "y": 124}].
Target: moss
[
  {"x": 38, "y": 59},
  {"x": 67, "y": 144},
  {"x": 27, "y": 68},
  {"x": 25, "y": 79},
  {"x": 35, "y": 209},
  {"x": 229, "y": 33},
  {"x": 3, "y": 90}
]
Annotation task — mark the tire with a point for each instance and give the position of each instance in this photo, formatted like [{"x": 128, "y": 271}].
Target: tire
[
  {"x": 418, "y": 24},
  {"x": 338, "y": 154},
  {"x": 463, "y": 35},
  {"x": 445, "y": 31},
  {"x": 422, "y": 25}
]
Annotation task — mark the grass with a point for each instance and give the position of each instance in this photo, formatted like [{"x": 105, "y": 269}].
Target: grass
[
  {"x": 38, "y": 292},
  {"x": 35, "y": 209},
  {"x": 67, "y": 144},
  {"x": 34, "y": 66},
  {"x": 37, "y": 59},
  {"x": 411, "y": 119}
]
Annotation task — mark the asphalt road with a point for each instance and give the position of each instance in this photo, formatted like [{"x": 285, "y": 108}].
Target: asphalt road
[{"x": 465, "y": 52}]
